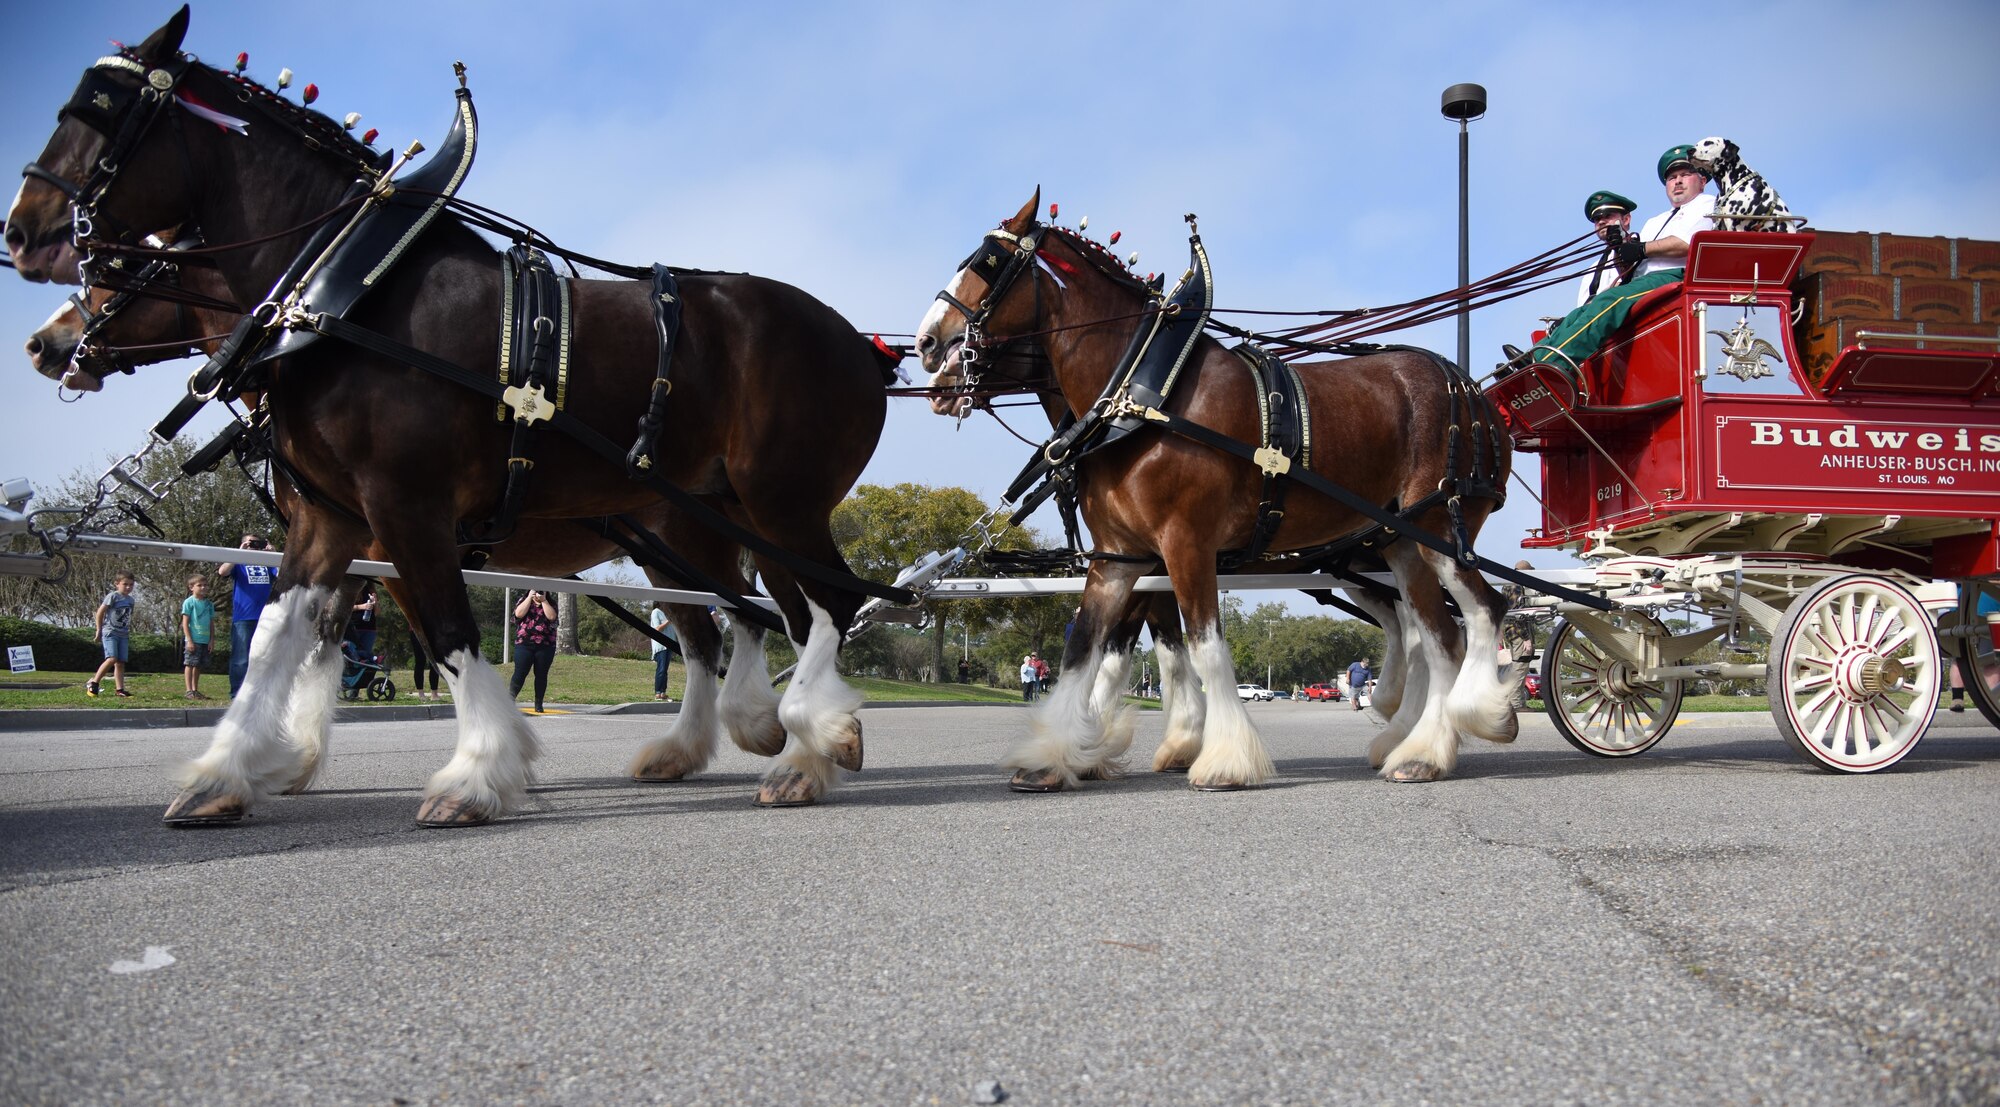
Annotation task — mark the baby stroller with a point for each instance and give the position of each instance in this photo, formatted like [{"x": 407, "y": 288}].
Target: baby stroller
[{"x": 359, "y": 674}]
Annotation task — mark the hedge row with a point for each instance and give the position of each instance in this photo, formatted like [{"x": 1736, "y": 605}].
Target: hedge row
[{"x": 71, "y": 650}]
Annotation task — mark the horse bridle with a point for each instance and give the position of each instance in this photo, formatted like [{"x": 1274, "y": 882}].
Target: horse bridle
[
  {"x": 159, "y": 279},
  {"x": 999, "y": 267},
  {"x": 124, "y": 115}
]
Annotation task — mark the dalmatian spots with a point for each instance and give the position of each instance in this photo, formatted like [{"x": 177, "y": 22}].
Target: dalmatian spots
[{"x": 1743, "y": 191}]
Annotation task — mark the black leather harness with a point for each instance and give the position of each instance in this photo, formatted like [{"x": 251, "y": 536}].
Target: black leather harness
[
  {"x": 342, "y": 263},
  {"x": 1137, "y": 392}
]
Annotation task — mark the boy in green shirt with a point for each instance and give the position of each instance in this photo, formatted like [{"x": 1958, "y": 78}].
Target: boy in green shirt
[{"x": 197, "y": 617}]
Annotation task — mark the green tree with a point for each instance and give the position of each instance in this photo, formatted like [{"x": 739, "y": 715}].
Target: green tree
[{"x": 882, "y": 530}]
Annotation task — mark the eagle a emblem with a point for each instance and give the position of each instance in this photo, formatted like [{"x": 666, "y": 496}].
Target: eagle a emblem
[{"x": 1746, "y": 352}]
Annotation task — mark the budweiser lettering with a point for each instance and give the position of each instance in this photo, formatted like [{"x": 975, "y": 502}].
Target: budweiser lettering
[{"x": 1849, "y": 436}]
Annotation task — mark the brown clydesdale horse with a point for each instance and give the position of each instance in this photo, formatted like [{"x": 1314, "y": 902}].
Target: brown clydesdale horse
[
  {"x": 149, "y": 321},
  {"x": 777, "y": 404},
  {"x": 1159, "y": 495}
]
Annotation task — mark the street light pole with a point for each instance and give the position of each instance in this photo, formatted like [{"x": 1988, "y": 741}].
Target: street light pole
[{"x": 1464, "y": 103}]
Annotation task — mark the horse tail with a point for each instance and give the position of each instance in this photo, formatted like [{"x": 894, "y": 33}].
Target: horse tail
[{"x": 887, "y": 356}]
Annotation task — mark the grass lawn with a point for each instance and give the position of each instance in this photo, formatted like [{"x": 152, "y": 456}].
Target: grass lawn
[
  {"x": 588, "y": 680},
  {"x": 585, "y": 680}
]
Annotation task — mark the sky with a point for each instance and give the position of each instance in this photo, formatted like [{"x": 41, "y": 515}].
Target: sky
[{"x": 858, "y": 150}]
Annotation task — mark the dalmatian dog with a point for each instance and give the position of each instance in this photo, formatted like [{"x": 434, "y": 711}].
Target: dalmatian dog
[{"x": 1744, "y": 191}]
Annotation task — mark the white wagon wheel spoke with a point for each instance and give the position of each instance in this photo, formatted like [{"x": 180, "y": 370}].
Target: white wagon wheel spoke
[
  {"x": 1854, "y": 674},
  {"x": 1598, "y": 702}
]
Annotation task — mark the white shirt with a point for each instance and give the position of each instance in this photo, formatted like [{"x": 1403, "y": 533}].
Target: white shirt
[
  {"x": 1682, "y": 223},
  {"x": 659, "y": 621},
  {"x": 1607, "y": 277}
]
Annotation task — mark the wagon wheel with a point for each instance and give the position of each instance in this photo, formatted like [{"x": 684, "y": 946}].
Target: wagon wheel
[
  {"x": 1596, "y": 700},
  {"x": 1855, "y": 667},
  {"x": 1978, "y": 662}
]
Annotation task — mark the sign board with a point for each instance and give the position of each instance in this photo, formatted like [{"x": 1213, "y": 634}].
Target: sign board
[{"x": 21, "y": 659}]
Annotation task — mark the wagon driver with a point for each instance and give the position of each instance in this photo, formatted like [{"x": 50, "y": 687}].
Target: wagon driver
[{"x": 1653, "y": 258}]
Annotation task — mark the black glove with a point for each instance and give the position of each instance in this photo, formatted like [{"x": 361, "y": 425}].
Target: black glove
[{"x": 1630, "y": 253}]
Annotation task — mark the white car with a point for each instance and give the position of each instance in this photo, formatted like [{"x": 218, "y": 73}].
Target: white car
[{"x": 1252, "y": 692}]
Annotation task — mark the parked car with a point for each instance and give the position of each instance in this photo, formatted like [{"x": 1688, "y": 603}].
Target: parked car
[
  {"x": 1280, "y": 694},
  {"x": 1328, "y": 693},
  {"x": 1534, "y": 685},
  {"x": 1252, "y": 692}
]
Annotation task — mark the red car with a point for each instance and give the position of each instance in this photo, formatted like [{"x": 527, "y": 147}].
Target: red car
[
  {"x": 1534, "y": 686},
  {"x": 1328, "y": 692}
]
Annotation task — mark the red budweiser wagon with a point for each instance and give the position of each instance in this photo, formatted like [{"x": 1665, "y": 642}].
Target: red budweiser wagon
[{"x": 1802, "y": 440}]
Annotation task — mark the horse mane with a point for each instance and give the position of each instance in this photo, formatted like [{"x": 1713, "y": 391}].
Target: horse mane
[
  {"x": 330, "y": 136},
  {"x": 1100, "y": 258}
]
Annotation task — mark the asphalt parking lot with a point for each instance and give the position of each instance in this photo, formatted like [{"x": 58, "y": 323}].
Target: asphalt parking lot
[{"x": 1711, "y": 922}]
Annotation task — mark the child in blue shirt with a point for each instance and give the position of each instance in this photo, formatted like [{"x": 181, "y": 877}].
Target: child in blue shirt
[
  {"x": 114, "y": 629},
  {"x": 197, "y": 622}
]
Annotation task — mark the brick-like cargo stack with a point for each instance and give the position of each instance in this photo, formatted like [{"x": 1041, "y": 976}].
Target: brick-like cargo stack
[{"x": 1855, "y": 281}]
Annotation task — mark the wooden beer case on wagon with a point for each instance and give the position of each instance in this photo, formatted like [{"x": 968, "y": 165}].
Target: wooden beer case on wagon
[{"x": 1803, "y": 437}]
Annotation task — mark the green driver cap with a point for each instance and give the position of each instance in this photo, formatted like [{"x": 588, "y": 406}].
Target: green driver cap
[
  {"x": 1604, "y": 200},
  {"x": 1677, "y": 155}
]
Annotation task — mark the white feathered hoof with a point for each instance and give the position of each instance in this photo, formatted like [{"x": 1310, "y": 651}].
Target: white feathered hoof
[
  {"x": 845, "y": 751},
  {"x": 1043, "y": 780},
  {"x": 785, "y": 786},
  {"x": 211, "y": 806},
  {"x": 764, "y": 737},
  {"x": 305, "y": 778},
  {"x": 665, "y": 763},
  {"x": 1414, "y": 772},
  {"x": 1382, "y": 746},
  {"x": 449, "y": 811}
]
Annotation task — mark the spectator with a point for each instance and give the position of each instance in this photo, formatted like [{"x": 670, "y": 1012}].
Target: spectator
[
  {"x": 361, "y": 622},
  {"x": 1029, "y": 681},
  {"x": 1358, "y": 677},
  {"x": 663, "y": 656},
  {"x": 114, "y": 629},
  {"x": 534, "y": 643},
  {"x": 250, "y": 589},
  {"x": 1041, "y": 673},
  {"x": 422, "y": 666},
  {"x": 197, "y": 623},
  {"x": 964, "y": 671}
]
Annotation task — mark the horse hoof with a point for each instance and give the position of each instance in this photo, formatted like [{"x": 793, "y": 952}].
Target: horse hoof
[
  {"x": 303, "y": 781},
  {"x": 448, "y": 812},
  {"x": 1176, "y": 765},
  {"x": 787, "y": 787},
  {"x": 210, "y": 808},
  {"x": 1217, "y": 785},
  {"x": 766, "y": 741},
  {"x": 1098, "y": 772},
  {"x": 846, "y": 753},
  {"x": 666, "y": 766},
  {"x": 1415, "y": 772},
  {"x": 1037, "y": 780}
]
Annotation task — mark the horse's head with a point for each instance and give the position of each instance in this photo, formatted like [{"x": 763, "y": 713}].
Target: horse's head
[
  {"x": 104, "y": 132},
  {"x": 138, "y": 320},
  {"x": 985, "y": 296}
]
